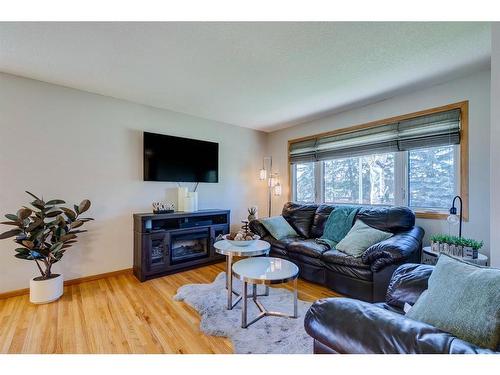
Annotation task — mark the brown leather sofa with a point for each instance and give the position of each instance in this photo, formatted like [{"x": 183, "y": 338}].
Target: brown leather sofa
[
  {"x": 364, "y": 278},
  {"x": 382, "y": 327}
]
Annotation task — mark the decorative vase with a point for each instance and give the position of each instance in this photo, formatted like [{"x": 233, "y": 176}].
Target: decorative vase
[
  {"x": 446, "y": 248},
  {"x": 435, "y": 246},
  {"x": 181, "y": 196},
  {"x": 191, "y": 202},
  {"x": 46, "y": 290}
]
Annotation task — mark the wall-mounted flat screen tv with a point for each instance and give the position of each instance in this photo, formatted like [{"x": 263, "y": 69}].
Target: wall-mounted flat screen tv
[{"x": 176, "y": 159}]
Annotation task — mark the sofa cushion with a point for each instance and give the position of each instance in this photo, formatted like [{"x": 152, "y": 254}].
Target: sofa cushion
[
  {"x": 463, "y": 299},
  {"x": 361, "y": 237},
  {"x": 319, "y": 220},
  {"x": 338, "y": 257},
  {"x": 278, "y": 227},
  {"x": 388, "y": 219},
  {"x": 299, "y": 258},
  {"x": 279, "y": 244},
  {"x": 300, "y": 217},
  {"x": 307, "y": 247}
]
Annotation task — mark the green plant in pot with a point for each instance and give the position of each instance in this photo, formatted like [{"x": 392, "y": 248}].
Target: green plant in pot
[
  {"x": 252, "y": 211},
  {"x": 42, "y": 234}
]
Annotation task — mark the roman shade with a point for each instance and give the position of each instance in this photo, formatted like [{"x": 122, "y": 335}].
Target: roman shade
[{"x": 436, "y": 129}]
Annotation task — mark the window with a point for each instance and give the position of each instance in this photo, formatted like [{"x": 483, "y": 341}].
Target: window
[
  {"x": 432, "y": 177},
  {"x": 420, "y": 179},
  {"x": 365, "y": 179},
  {"x": 414, "y": 160},
  {"x": 304, "y": 182}
]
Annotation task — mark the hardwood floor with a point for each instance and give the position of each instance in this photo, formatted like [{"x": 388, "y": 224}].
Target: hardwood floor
[{"x": 118, "y": 314}]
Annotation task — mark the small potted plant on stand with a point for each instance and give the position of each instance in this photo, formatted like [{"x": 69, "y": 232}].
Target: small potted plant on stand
[
  {"x": 43, "y": 234},
  {"x": 457, "y": 246}
]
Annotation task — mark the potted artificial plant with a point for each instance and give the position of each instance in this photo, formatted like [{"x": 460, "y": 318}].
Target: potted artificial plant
[
  {"x": 457, "y": 246},
  {"x": 43, "y": 234}
]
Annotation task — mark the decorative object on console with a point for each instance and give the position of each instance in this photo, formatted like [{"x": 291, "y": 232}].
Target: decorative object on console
[
  {"x": 43, "y": 234},
  {"x": 453, "y": 219},
  {"x": 273, "y": 180},
  {"x": 244, "y": 237},
  {"x": 181, "y": 196},
  {"x": 187, "y": 201},
  {"x": 252, "y": 213},
  {"x": 162, "y": 208}
]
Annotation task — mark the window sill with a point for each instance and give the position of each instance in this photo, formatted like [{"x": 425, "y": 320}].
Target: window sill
[{"x": 436, "y": 215}]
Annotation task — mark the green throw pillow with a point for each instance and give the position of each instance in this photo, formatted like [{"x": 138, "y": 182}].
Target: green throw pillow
[
  {"x": 462, "y": 299},
  {"x": 360, "y": 238},
  {"x": 278, "y": 227}
]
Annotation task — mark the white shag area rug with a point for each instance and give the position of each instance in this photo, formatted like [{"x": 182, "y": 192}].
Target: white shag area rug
[{"x": 270, "y": 335}]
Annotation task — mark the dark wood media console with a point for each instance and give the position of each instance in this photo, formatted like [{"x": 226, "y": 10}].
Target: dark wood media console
[{"x": 169, "y": 243}]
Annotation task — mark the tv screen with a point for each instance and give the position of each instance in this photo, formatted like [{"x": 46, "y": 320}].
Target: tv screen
[{"x": 176, "y": 159}]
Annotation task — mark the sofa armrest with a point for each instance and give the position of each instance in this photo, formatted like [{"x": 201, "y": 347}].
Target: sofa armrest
[
  {"x": 350, "y": 326},
  {"x": 396, "y": 249},
  {"x": 257, "y": 228},
  {"x": 407, "y": 284}
]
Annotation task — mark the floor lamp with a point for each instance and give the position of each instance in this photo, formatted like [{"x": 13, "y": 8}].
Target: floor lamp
[{"x": 273, "y": 180}]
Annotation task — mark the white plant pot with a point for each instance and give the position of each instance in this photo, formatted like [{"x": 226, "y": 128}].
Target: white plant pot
[{"x": 45, "y": 291}]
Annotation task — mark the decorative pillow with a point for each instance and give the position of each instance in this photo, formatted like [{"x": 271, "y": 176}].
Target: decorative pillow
[
  {"x": 463, "y": 299},
  {"x": 360, "y": 238},
  {"x": 278, "y": 227}
]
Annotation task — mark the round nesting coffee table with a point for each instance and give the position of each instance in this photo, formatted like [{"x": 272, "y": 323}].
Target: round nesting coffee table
[
  {"x": 266, "y": 271},
  {"x": 224, "y": 247}
]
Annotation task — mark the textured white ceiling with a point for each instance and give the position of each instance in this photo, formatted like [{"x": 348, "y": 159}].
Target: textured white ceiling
[{"x": 259, "y": 75}]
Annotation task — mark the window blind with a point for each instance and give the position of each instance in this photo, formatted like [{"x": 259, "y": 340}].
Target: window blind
[{"x": 437, "y": 129}]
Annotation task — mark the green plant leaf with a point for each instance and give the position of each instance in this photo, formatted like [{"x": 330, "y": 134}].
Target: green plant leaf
[
  {"x": 33, "y": 195},
  {"x": 53, "y": 202},
  {"x": 53, "y": 213},
  {"x": 29, "y": 244},
  {"x": 76, "y": 224},
  {"x": 10, "y": 233},
  {"x": 22, "y": 250},
  {"x": 10, "y": 223},
  {"x": 84, "y": 206},
  {"x": 69, "y": 213},
  {"x": 56, "y": 247},
  {"x": 24, "y": 213},
  {"x": 23, "y": 256},
  {"x": 12, "y": 217},
  {"x": 77, "y": 231},
  {"x": 68, "y": 237},
  {"x": 38, "y": 204},
  {"x": 35, "y": 224}
]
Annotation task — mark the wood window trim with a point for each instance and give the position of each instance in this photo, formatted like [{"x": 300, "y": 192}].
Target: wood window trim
[{"x": 464, "y": 151}]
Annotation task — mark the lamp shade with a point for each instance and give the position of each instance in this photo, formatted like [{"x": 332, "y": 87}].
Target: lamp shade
[{"x": 453, "y": 219}]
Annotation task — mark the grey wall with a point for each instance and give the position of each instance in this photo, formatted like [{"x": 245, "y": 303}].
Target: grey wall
[
  {"x": 475, "y": 88},
  {"x": 70, "y": 144},
  {"x": 495, "y": 144}
]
